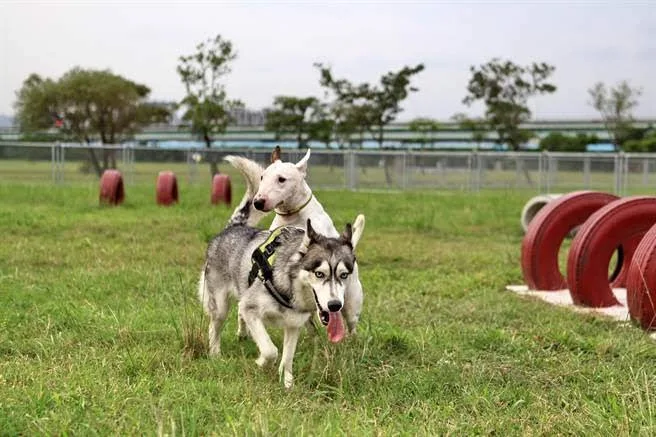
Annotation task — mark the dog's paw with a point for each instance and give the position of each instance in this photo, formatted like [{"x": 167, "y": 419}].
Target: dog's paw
[
  {"x": 267, "y": 358},
  {"x": 285, "y": 377}
]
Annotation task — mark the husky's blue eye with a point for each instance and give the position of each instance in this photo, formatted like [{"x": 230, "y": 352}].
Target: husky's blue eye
[
  {"x": 319, "y": 274},
  {"x": 344, "y": 275},
  {"x": 281, "y": 179}
]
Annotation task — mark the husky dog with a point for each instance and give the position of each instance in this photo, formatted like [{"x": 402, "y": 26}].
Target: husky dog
[
  {"x": 303, "y": 272},
  {"x": 282, "y": 187}
]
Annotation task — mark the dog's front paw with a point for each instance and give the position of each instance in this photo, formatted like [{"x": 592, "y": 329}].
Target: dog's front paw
[
  {"x": 266, "y": 358},
  {"x": 285, "y": 377}
]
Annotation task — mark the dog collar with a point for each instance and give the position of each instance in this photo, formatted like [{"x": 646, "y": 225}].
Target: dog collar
[{"x": 294, "y": 211}]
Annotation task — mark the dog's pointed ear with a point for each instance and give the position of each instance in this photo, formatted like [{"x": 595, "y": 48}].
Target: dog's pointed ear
[
  {"x": 302, "y": 164},
  {"x": 347, "y": 235},
  {"x": 275, "y": 155},
  {"x": 357, "y": 230},
  {"x": 311, "y": 233},
  {"x": 307, "y": 239}
]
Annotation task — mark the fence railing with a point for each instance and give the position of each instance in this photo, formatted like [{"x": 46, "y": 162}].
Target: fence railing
[{"x": 347, "y": 169}]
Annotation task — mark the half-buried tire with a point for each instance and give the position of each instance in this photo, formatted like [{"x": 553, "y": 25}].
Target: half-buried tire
[
  {"x": 221, "y": 189},
  {"x": 112, "y": 191},
  {"x": 548, "y": 229},
  {"x": 533, "y": 206},
  {"x": 622, "y": 223},
  {"x": 167, "y": 188},
  {"x": 641, "y": 282}
]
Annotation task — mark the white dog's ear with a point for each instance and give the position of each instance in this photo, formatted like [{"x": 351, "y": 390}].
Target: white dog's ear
[
  {"x": 275, "y": 155},
  {"x": 302, "y": 164},
  {"x": 357, "y": 230}
]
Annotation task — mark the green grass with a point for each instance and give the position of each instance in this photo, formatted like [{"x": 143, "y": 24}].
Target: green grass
[
  {"x": 96, "y": 304},
  {"x": 366, "y": 177}
]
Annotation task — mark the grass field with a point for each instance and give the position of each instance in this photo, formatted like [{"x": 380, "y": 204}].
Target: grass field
[{"x": 96, "y": 304}]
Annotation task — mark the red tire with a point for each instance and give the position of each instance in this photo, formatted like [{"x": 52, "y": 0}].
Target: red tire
[
  {"x": 167, "y": 188},
  {"x": 620, "y": 223},
  {"x": 546, "y": 232},
  {"x": 221, "y": 190},
  {"x": 112, "y": 191},
  {"x": 641, "y": 282}
]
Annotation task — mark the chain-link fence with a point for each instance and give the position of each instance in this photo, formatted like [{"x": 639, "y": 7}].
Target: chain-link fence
[{"x": 345, "y": 169}]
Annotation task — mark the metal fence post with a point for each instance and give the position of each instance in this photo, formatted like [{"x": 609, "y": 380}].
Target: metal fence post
[
  {"x": 548, "y": 163},
  {"x": 617, "y": 173},
  {"x": 404, "y": 180}
]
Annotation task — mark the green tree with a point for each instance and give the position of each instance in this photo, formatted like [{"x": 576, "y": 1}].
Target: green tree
[
  {"x": 207, "y": 107},
  {"x": 86, "y": 105},
  {"x": 377, "y": 105},
  {"x": 292, "y": 116},
  {"x": 558, "y": 142},
  {"x": 426, "y": 128},
  {"x": 615, "y": 105},
  {"x": 476, "y": 126},
  {"x": 369, "y": 108},
  {"x": 505, "y": 88}
]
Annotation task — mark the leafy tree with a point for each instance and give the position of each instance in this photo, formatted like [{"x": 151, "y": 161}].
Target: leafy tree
[
  {"x": 559, "y": 142},
  {"x": 322, "y": 126},
  {"x": 292, "y": 116},
  {"x": 477, "y": 126},
  {"x": 86, "y": 105},
  {"x": 377, "y": 105},
  {"x": 206, "y": 102},
  {"x": 426, "y": 128},
  {"x": 615, "y": 106},
  {"x": 365, "y": 107},
  {"x": 505, "y": 88}
]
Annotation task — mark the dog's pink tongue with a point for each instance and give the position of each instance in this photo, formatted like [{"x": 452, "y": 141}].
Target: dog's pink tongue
[{"x": 335, "y": 327}]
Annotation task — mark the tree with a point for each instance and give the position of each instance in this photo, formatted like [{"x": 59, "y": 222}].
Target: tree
[
  {"x": 505, "y": 88},
  {"x": 378, "y": 105},
  {"x": 558, "y": 142},
  {"x": 292, "y": 116},
  {"x": 426, "y": 128},
  {"x": 364, "y": 107},
  {"x": 207, "y": 106},
  {"x": 476, "y": 126},
  {"x": 86, "y": 105},
  {"x": 615, "y": 106}
]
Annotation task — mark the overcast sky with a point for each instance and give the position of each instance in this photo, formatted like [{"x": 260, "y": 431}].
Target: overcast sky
[{"x": 279, "y": 41}]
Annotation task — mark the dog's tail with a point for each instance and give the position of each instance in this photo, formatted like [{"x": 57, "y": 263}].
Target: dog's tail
[{"x": 245, "y": 213}]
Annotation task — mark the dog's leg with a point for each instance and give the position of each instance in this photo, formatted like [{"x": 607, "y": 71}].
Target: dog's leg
[
  {"x": 288, "y": 350},
  {"x": 218, "y": 312},
  {"x": 242, "y": 329},
  {"x": 268, "y": 350},
  {"x": 353, "y": 298}
]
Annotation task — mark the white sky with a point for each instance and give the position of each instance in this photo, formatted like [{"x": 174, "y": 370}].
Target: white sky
[{"x": 279, "y": 41}]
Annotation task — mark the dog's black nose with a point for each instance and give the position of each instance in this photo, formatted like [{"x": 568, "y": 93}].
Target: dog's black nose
[
  {"x": 334, "y": 306},
  {"x": 259, "y": 204}
]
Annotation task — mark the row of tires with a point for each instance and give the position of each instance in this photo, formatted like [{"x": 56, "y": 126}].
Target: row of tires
[
  {"x": 604, "y": 224},
  {"x": 112, "y": 189}
]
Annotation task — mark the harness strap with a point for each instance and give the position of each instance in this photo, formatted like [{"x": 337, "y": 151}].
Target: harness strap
[{"x": 263, "y": 258}]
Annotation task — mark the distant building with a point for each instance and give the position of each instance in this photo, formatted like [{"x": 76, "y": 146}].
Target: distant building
[{"x": 248, "y": 117}]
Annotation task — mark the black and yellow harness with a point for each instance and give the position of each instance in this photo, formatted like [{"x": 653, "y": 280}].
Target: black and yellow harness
[{"x": 263, "y": 258}]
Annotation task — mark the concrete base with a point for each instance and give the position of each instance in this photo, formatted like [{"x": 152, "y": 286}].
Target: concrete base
[{"x": 563, "y": 298}]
